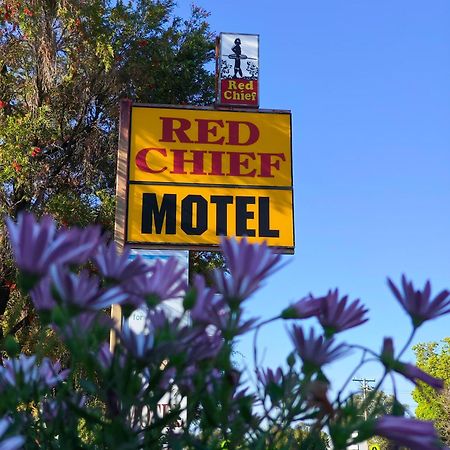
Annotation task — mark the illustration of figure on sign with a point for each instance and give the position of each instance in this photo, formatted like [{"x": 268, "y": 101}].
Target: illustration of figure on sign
[
  {"x": 236, "y": 50},
  {"x": 237, "y": 57}
]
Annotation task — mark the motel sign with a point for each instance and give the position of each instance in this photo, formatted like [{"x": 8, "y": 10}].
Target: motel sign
[{"x": 196, "y": 174}]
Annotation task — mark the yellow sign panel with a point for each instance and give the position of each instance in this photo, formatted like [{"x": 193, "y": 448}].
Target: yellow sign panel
[
  {"x": 374, "y": 447},
  {"x": 195, "y": 174},
  {"x": 205, "y": 146},
  {"x": 198, "y": 216}
]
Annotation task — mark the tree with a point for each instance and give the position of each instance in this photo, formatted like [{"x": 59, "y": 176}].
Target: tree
[
  {"x": 64, "y": 65},
  {"x": 300, "y": 437},
  {"x": 205, "y": 263},
  {"x": 377, "y": 404},
  {"x": 434, "y": 358}
]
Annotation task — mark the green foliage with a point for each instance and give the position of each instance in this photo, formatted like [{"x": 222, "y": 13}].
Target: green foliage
[
  {"x": 434, "y": 358},
  {"x": 64, "y": 66},
  {"x": 299, "y": 437},
  {"x": 205, "y": 262},
  {"x": 378, "y": 405}
]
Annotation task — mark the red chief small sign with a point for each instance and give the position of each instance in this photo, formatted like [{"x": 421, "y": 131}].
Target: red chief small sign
[{"x": 238, "y": 70}]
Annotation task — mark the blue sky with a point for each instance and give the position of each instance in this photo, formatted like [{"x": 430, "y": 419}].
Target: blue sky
[{"x": 368, "y": 84}]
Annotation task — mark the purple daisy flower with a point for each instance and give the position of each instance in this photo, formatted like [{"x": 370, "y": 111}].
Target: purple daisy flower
[
  {"x": 11, "y": 442},
  {"x": 418, "y": 303},
  {"x": 165, "y": 282},
  {"x": 37, "y": 245},
  {"x": 199, "y": 346},
  {"x": 139, "y": 345},
  {"x": 19, "y": 369},
  {"x": 412, "y": 433},
  {"x": 52, "y": 409},
  {"x": 268, "y": 376},
  {"x": 248, "y": 264},
  {"x": 119, "y": 267},
  {"x": 52, "y": 373},
  {"x": 85, "y": 239},
  {"x": 336, "y": 316},
  {"x": 41, "y": 295},
  {"x": 194, "y": 343},
  {"x": 83, "y": 290},
  {"x": 157, "y": 319},
  {"x": 415, "y": 374},
  {"x": 205, "y": 301},
  {"x": 408, "y": 370},
  {"x": 104, "y": 356},
  {"x": 25, "y": 370},
  {"x": 315, "y": 351},
  {"x": 211, "y": 309},
  {"x": 303, "y": 309}
]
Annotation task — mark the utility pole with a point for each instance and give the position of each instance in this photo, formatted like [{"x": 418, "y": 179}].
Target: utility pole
[{"x": 365, "y": 388}]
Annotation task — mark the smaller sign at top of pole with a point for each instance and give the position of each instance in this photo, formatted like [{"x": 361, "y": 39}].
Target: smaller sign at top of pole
[{"x": 238, "y": 70}]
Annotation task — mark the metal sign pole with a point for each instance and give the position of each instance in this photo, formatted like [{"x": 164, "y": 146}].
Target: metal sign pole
[{"x": 121, "y": 203}]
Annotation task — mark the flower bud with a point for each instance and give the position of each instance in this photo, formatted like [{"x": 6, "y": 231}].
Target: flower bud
[
  {"x": 289, "y": 313},
  {"x": 291, "y": 359},
  {"x": 387, "y": 353}
]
